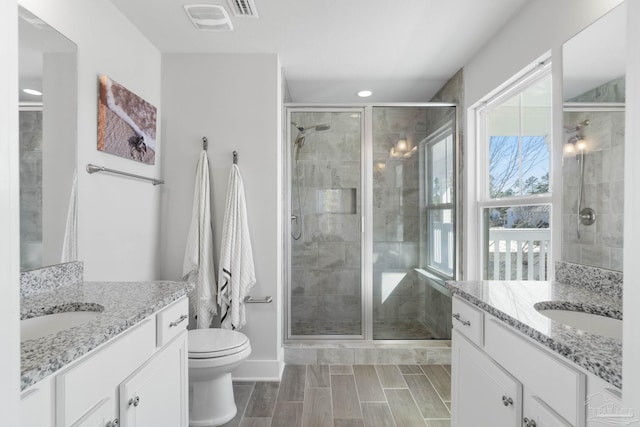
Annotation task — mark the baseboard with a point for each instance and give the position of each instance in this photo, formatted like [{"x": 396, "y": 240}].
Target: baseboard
[{"x": 259, "y": 370}]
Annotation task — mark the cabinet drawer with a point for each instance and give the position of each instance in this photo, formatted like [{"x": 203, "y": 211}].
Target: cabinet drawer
[
  {"x": 552, "y": 380},
  {"x": 96, "y": 377},
  {"x": 468, "y": 320},
  {"x": 171, "y": 321}
]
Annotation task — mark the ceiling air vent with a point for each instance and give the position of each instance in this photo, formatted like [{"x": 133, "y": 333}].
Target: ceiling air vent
[
  {"x": 209, "y": 17},
  {"x": 243, "y": 8}
]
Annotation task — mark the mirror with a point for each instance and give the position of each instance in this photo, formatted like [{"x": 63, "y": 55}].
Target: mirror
[
  {"x": 48, "y": 126},
  {"x": 594, "y": 64}
]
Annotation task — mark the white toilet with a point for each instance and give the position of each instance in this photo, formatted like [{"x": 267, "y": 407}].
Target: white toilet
[{"x": 213, "y": 354}]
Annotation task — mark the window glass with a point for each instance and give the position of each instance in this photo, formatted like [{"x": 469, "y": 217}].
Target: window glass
[
  {"x": 441, "y": 244},
  {"x": 518, "y": 142},
  {"x": 517, "y": 242}
]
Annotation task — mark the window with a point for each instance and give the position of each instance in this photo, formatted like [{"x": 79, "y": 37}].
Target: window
[
  {"x": 514, "y": 200},
  {"x": 439, "y": 196}
]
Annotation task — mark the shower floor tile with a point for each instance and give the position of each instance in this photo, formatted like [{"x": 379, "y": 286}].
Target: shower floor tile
[
  {"x": 401, "y": 330},
  {"x": 349, "y": 395},
  {"x": 382, "y": 330}
]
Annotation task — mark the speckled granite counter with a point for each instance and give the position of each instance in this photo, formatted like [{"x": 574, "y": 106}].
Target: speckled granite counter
[
  {"x": 513, "y": 303},
  {"x": 124, "y": 305}
]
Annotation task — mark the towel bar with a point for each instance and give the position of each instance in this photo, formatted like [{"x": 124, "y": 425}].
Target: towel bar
[
  {"x": 93, "y": 169},
  {"x": 249, "y": 299}
]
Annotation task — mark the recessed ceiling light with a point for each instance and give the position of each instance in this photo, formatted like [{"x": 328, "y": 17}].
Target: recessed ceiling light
[
  {"x": 32, "y": 92},
  {"x": 365, "y": 93}
]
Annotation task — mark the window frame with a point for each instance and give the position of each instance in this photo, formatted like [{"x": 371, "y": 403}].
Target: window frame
[
  {"x": 529, "y": 76},
  {"x": 440, "y": 135}
]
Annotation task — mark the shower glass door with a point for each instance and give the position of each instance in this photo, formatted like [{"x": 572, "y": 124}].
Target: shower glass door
[
  {"x": 413, "y": 221},
  {"x": 326, "y": 190},
  {"x": 372, "y": 227}
]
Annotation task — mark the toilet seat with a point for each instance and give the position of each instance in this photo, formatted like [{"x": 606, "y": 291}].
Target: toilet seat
[{"x": 214, "y": 342}]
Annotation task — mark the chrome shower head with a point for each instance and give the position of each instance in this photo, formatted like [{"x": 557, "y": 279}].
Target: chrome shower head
[
  {"x": 317, "y": 128},
  {"x": 321, "y": 127}
]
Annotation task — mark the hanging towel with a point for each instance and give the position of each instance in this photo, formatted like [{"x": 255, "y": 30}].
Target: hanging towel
[
  {"x": 236, "y": 271},
  {"x": 70, "y": 238},
  {"x": 197, "y": 267}
]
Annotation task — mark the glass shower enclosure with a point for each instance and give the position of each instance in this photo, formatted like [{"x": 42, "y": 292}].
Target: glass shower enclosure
[{"x": 372, "y": 230}]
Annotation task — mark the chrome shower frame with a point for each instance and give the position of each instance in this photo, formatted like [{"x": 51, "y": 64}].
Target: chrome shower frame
[{"x": 366, "y": 219}]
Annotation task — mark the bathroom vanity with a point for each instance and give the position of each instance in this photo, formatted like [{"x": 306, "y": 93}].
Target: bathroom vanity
[
  {"x": 127, "y": 366},
  {"x": 512, "y": 365}
]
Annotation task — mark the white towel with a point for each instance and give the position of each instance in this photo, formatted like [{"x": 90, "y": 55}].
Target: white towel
[
  {"x": 236, "y": 271},
  {"x": 70, "y": 238},
  {"x": 197, "y": 267}
]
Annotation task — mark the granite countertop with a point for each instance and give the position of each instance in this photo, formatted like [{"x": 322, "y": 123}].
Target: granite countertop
[
  {"x": 513, "y": 303},
  {"x": 124, "y": 305}
]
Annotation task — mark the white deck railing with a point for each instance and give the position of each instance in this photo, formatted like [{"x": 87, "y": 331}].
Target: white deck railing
[
  {"x": 442, "y": 250},
  {"x": 531, "y": 243}
]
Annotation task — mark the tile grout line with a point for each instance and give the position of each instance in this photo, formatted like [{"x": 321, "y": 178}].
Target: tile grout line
[
  {"x": 435, "y": 389},
  {"x": 355, "y": 382},
  {"x": 415, "y": 401},
  {"x": 385, "y": 396},
  {"x": 244, "y": 411}
]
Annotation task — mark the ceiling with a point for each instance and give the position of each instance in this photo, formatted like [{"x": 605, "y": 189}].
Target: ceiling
[{"x": 402, "y": 50}]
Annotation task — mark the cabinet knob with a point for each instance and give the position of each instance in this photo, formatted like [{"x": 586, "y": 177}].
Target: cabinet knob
[
  {"x": 114, "y": 423},
  {"x": 464, "y": 322},
  {"x": 529, "y": 423},
  {"x": 506, "y": 401},
  {"x": 135, "y": 401}
]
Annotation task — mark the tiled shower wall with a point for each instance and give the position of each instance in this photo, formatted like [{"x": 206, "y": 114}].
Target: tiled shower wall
[
  {"x": 405, "y": 305},
  {"x": 398, "y": 295},
  {"x": 325, "y": 261},
  {"x": 601, "y": 244},
  {"x": 30, "y": 189}
]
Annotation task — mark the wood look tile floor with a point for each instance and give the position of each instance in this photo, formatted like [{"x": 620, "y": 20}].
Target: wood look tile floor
[{"x": 347, "y": 396}]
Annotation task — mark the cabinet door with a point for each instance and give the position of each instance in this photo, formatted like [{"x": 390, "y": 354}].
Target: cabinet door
[
  {"x": 100, "y": 415},
  {"x": 36, "y": 404},
  {"x": 536, "y": 413},
  {"x": 483, "y": 394},
  {"x": 156, "y": 394}
]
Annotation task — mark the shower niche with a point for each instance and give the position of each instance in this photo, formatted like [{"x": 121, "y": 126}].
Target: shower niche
[{"x": 372, "y": 207}]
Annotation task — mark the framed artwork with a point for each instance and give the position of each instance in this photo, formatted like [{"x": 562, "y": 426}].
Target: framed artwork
[{"x": 126, "y": 123}]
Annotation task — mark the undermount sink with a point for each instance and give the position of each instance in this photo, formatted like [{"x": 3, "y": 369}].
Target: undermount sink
[
  {"x": 588, "y": 322},
  {"x": 49, "y": 324}
]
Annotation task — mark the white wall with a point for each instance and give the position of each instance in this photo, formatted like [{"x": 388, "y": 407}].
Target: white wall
[
  {"x": 631, "y": 338},
  {"x": 118, "y": 217},
  {"x": 235, "y": 101},
  {"x": 9, "y": 216},
  {"x": 540, "y": 26}
]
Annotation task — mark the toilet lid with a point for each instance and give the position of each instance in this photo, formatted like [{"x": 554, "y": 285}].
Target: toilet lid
[{"x": 214, "y": 342}]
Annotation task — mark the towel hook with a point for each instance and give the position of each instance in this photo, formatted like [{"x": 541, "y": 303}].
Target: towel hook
[
  {"x": 205, "y": 143},
  {"x": 235, "y": 157}
]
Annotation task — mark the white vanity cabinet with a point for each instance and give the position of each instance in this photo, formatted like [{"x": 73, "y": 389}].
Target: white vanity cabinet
[
  {"x": 483, "y": 394},
  {"x": 502, "y": 378},
  {"x": 148, "y": 359},
  {"x": 36, "y": 404},
  {"x": 100, "y": 415},
  {"x": 156, "y": 394}
]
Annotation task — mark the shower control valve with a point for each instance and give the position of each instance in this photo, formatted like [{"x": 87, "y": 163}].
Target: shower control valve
[{"x": 587, "y": 216}]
